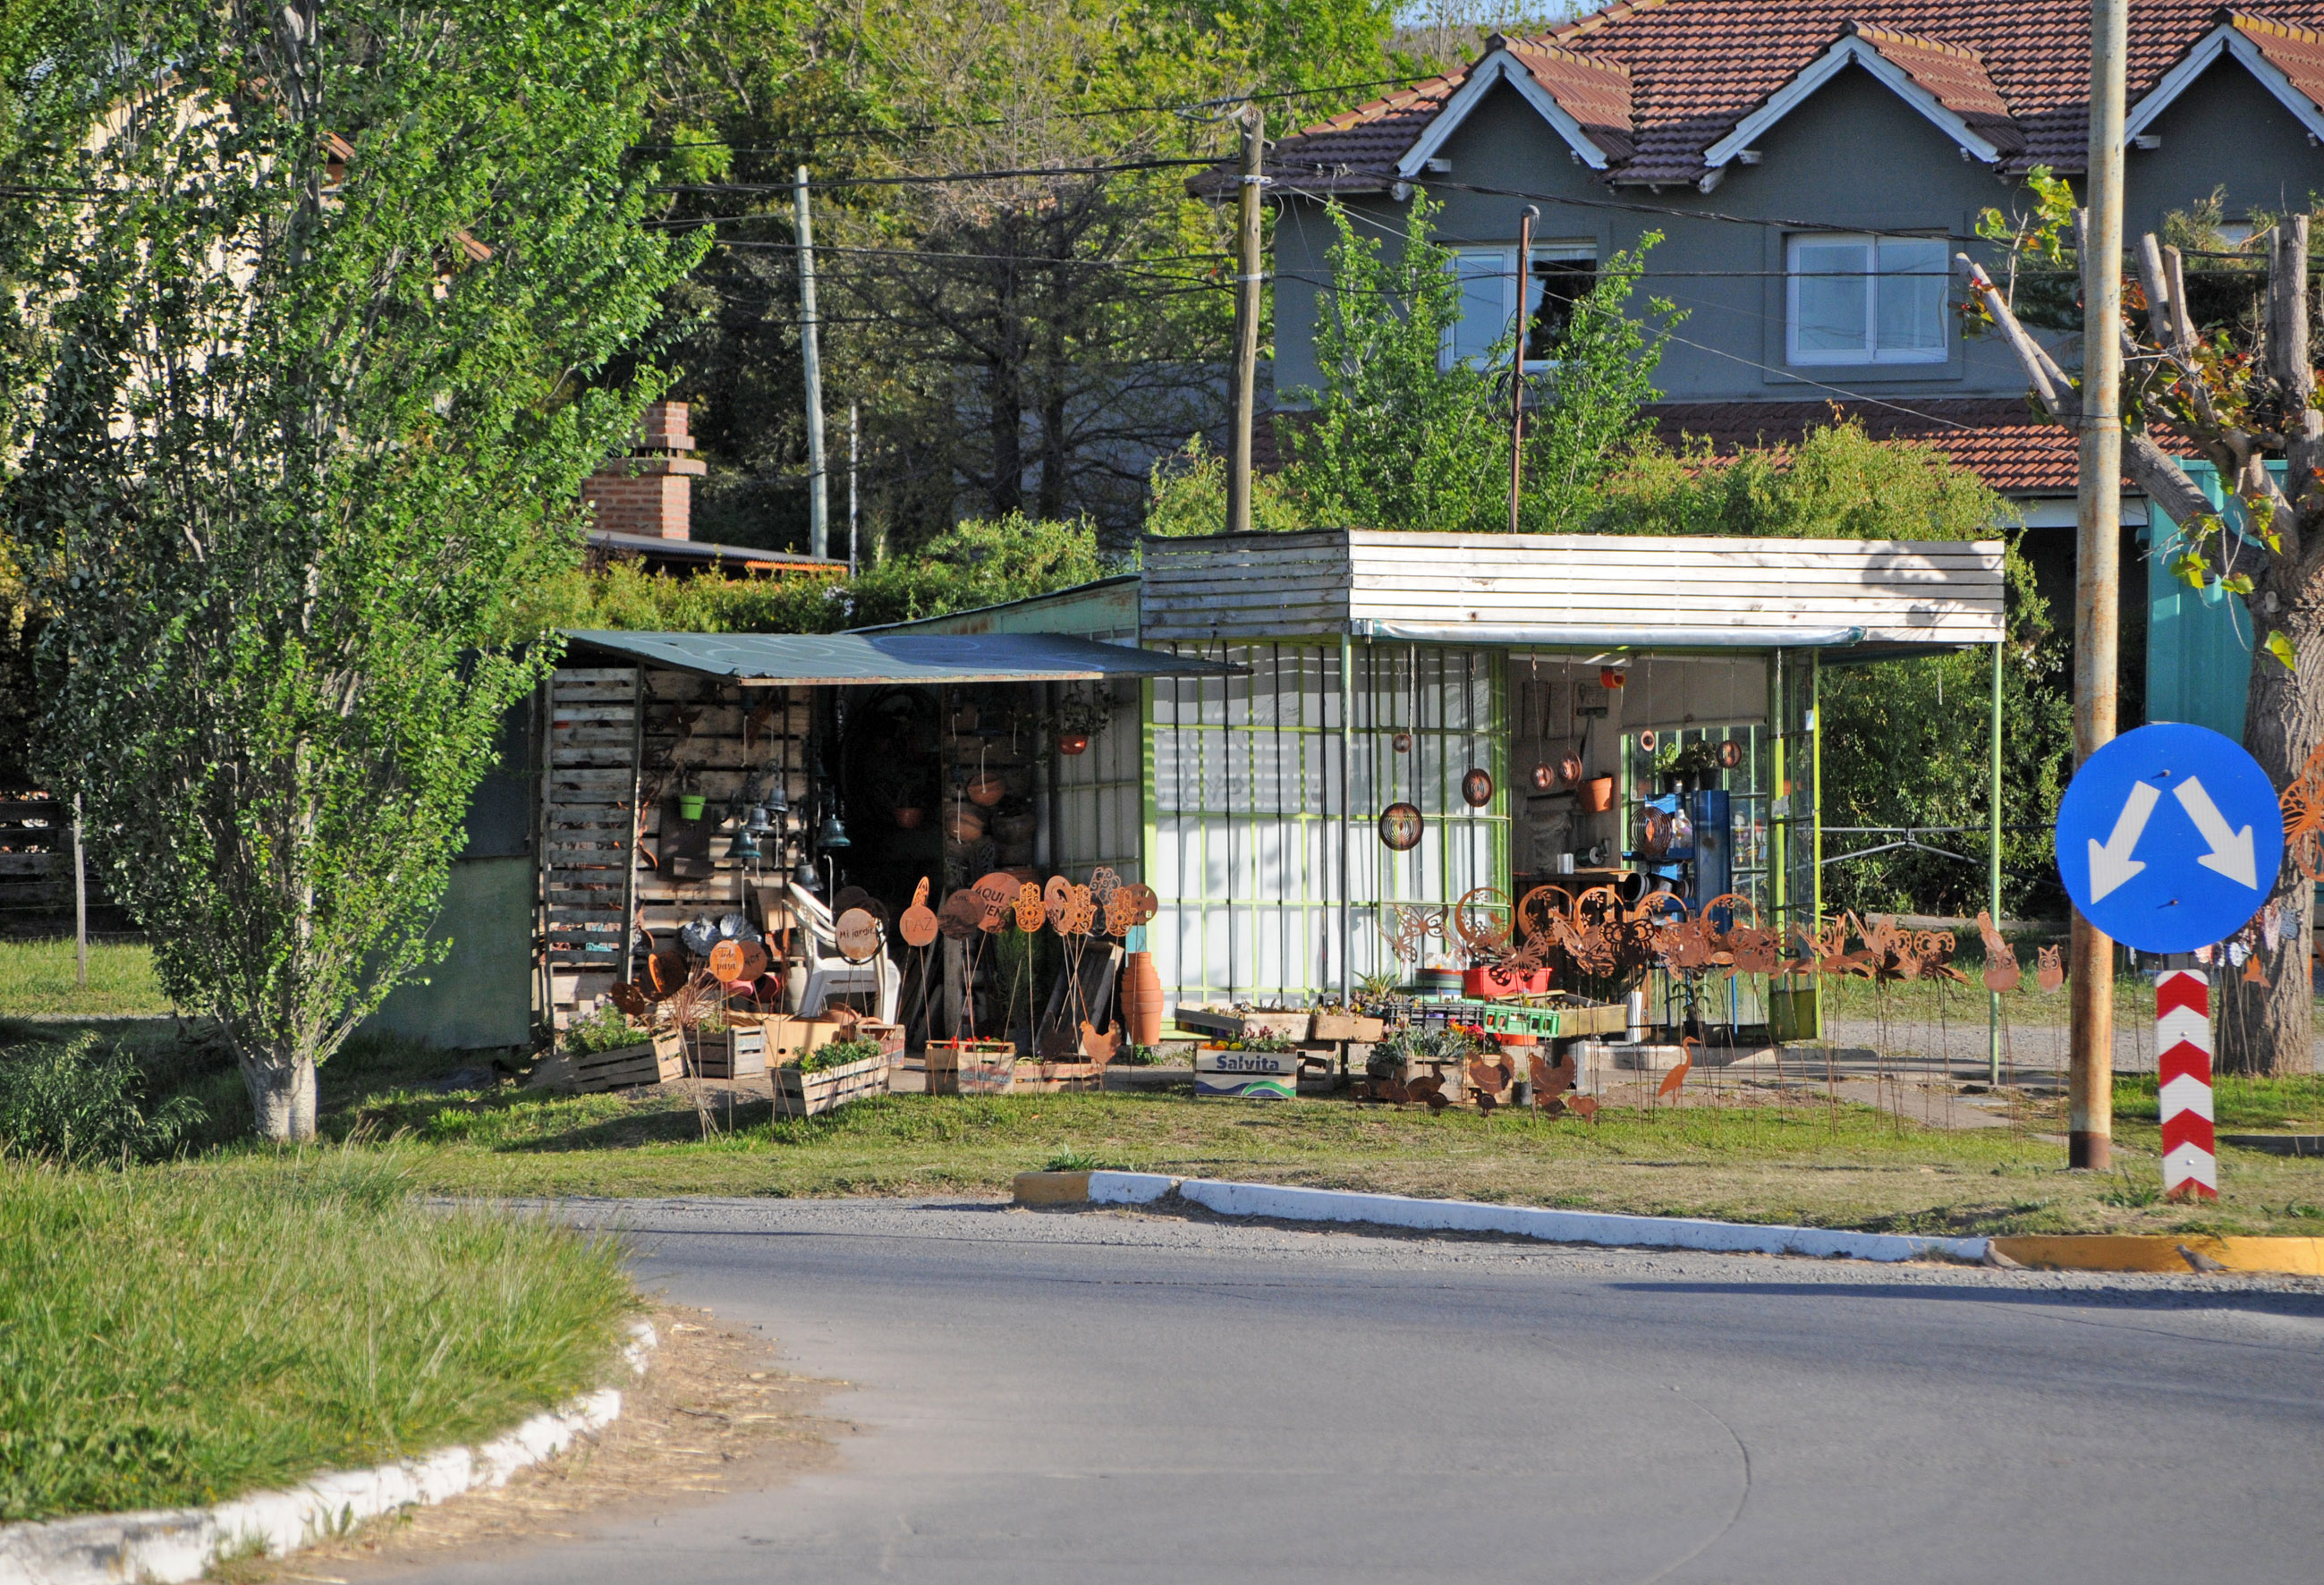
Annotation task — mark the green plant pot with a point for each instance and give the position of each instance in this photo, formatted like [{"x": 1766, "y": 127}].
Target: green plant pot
[{"x": 689, "y": 805}]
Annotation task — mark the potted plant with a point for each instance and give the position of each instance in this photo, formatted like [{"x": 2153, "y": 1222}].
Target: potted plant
[
  {"x": 690, "y": 797},
  {"x": 1077, "y": 718}
]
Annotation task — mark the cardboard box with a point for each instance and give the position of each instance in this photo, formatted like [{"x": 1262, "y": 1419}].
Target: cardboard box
[
  {"x": 1218, "y": 1059},
  {"x": 1243, "y": 1087}
]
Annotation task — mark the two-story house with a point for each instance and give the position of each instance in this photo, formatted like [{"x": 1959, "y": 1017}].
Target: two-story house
[{"x": 1813, "y": 166}]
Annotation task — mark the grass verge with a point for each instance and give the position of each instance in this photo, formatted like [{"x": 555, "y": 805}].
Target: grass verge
[
  {"x": 173, "y": 1337},
  {"x": 37, "y": 981},
  {"x": 1807, "y": 1163}
]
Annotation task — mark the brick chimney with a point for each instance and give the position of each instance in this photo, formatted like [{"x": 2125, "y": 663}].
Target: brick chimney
[{"x": 650, "y": 491}]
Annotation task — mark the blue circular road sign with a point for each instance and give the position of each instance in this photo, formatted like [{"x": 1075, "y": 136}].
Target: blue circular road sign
[{"x": 2169, "y": 838}]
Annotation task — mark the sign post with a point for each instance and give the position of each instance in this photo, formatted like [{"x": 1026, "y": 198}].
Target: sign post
[
  {"x": 2169, "y": 839},
  {"x": 2182, "y": 1045}
]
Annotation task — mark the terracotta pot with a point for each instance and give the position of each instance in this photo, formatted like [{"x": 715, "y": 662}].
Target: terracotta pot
[
  {"x": 986, "y": 790},
  {"x": 910, "y": 816},
  {"x": 1073, "y": 742},
  {"x": 965, "y": 826},
  {"x": 1598, "y": 794},
  {"x": 1141, "y": 999},
  {"x": 1014, "y": 827}
]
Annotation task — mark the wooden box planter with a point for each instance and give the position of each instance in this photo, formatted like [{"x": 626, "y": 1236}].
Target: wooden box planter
[
  {"x": 798, "y": 1093},
  {"x": 1336, "y": 1023},
  {"x": 739, "y": 1051},
  {"x": 971, "y": 1067},
  {"x": 891, "y": 1036},
  {"x": 660, "y": 1060},
  {"x": 1049, "y": 1078}
]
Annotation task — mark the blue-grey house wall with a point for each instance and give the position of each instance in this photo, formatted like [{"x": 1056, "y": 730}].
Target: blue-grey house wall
[{"x": 1853, "y": 155}]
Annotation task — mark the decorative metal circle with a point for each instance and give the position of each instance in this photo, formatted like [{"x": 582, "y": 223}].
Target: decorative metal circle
[
  {"x": 1477, "y": 787},
  {"x": 858, "y": 934},
  {"x": 997, "y": 893},
  {"x": 1647, "y": 741},
  {"x": 1545, "y": 777},
  {"x": 962, "y": 916},
  {"x": 1399, "y": 828},
  {"x": 1403, "y": 741},
  {"x": 1731, "y": 754}
]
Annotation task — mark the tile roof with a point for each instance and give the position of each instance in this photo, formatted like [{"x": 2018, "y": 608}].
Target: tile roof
[
  {"x": 2002, "y": 440},
  {"x": 2296, "y": 51},
  {"x": 1695, "y": 68},
  {"x": 1595, "y": 92}
]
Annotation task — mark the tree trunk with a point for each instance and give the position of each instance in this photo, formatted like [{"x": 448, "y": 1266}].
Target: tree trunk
[
  {"x": 281, "y": 1097},
  {"x": 2268, "y": 1026}
]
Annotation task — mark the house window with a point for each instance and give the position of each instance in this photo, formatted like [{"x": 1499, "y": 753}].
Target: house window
[
  {"x": 1561, "y": 274},
  {"x": 1867, "y": 299}
]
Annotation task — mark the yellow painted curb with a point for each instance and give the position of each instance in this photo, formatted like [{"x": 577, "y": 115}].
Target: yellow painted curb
[
  {"x": 2160, "y": 1252},
  {"x": 1052, "y": 1188}
]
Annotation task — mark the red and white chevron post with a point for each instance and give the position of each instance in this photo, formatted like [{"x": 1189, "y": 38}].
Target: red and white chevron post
[{"x": 2182, "y": 1034}]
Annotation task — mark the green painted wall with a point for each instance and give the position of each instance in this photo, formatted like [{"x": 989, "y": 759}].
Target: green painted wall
[{"x": 481, "y": 994}]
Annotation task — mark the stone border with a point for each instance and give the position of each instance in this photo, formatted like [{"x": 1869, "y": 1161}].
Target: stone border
[
  {"x": 1282, "y": 1204},
  {"x": 170, "y": 1545}
]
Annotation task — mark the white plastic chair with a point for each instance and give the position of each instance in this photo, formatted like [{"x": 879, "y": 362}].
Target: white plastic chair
[{"x": 828, "y": 974}]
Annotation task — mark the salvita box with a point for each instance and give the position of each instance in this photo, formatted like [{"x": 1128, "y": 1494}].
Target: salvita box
[
  {"x": 1244, "y": 1086},
  {"x": 1218, "y": 1059}
]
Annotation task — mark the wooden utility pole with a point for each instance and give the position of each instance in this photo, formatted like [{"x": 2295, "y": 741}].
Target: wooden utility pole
[
  {"x": 818, "y": 515},
  {"x": 1246, "y": 332},
  {"x": 2097, "y": 572},
  {"x": 1517, "y": 365}
]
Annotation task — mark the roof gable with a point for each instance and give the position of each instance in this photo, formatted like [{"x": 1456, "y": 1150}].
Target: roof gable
[
  {"x": 1587, "y": 101},
  {"x": 1947, "y": 84},
  {"x": 2287, "y": 59}
]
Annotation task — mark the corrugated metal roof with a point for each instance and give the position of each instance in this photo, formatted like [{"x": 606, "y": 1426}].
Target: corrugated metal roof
[{"x": 893, "y": 657}]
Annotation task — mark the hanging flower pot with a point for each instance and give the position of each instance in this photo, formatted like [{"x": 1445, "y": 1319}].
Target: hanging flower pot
[
  {"x": 986, "y": 790},
  {"x": 1073, "y": 742},
  {"x": 689, "y": 805},
  {"x": 1399, "y": 828},
  {"x": 1477, "y": 787},
  {"x": 908, "y": 817}
]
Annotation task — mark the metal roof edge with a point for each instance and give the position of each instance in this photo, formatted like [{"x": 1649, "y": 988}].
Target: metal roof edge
[
  {"x": 1111, "y": 580},
  {"x": 1609, "y": 637}
]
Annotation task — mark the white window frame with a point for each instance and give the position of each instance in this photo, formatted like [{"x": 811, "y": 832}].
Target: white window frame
[
  {"x": 1505, "y": 258},
  {"x": 1871, "y": 352}
]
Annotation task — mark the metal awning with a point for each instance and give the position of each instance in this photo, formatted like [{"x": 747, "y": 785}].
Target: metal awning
[{"x": 832, "y": 659}]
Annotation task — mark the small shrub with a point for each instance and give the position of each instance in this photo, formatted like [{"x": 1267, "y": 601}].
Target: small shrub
[
  {"x": 838, "y": 1054},
  {"x": 606, "y": 1029},
  {"x": 71, "y": 1101}
]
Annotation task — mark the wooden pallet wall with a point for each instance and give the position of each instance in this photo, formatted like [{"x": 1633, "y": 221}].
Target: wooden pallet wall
[{"x": 617, "y": 740}]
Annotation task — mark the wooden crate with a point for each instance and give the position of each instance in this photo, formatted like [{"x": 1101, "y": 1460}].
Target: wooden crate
[
  {"x": 1285, "y": 1023},
  {"x": 1246, "y": 1075},
  {"x": 804, "y": 1094},
  {"x": 1334, "y": 1023},
  {"x": 1049, "y": 1078},
  {"x": 660, "y": 1060},
  {"x": 739, "y": 1051},
  {"x": 971, "y": 1067},
  {"x": 891, "y": 1036}
]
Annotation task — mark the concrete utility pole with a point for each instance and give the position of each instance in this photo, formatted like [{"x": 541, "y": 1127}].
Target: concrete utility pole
[
  {"x": 1245, "y": 330},
  {"x": 1516, "y": 365},
  {"x": 2097, "y": 572},
  {"x": 854, "y": 437},
  {"x": 818, "y": 515}
]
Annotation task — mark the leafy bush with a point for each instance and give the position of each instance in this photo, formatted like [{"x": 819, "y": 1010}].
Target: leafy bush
[
  {"x": 72, "y": 1102},
  {"x": 606, "y": 1029},
  {"x": 838, "y": 1054}
]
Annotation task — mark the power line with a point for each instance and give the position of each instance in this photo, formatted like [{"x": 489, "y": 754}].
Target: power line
[
  {"x": 840, "y": 181},
  {"x": 915, "y": 129}
]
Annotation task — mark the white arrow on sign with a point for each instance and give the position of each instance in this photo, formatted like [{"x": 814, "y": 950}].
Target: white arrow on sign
[
  {"x": 2231, "y": 851},
  {"x": 2111, "y": 863}
]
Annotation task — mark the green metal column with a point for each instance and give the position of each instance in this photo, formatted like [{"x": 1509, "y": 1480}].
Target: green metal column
[
  {"x": 1347, "y": 818},
  {"x": 1992, "y": 875}
]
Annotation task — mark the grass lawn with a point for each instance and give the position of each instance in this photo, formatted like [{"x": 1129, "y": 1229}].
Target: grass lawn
[
  {"x": 1850, "y": 1166},
  {"x": 36, "y": 982},
  {"x": 171, "y": 1337}
]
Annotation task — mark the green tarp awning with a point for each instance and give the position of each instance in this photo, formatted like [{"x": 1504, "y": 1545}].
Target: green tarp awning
[{"x": 848, "y": 658}]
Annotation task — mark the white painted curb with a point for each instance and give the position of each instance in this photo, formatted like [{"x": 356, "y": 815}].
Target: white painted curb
[
  {"x": 170, "y": 1545},
  {"x": 1563, "y": 1226}
]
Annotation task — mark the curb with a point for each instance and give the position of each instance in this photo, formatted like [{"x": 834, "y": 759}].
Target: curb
[
  {"x": 171, "y": 1546},
  {"x": 1565, "y": 1227},
  {"x": 2294, "y": 1256}
]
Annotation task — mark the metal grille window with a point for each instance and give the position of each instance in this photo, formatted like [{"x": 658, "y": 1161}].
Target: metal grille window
[{"x": 1253, "y": 819}]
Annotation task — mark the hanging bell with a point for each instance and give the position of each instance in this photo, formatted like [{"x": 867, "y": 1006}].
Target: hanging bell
[
  {"x": 746, "y": 844},
  {"x": 805, "y": 877},
  {"x": 832, "y": 834},
  {"x": 777, "y": 804},
  {"x": 758, "y": 824}
]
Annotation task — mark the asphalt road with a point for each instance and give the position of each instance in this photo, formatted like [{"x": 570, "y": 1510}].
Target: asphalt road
[{"x": 1063, "y": 1396}]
